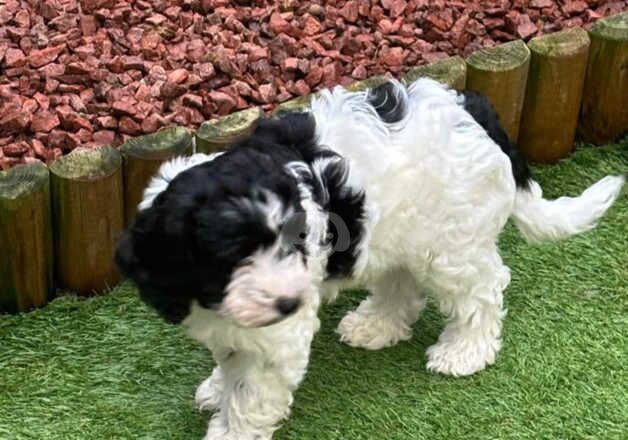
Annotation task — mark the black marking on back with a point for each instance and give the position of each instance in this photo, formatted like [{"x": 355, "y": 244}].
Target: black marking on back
[
  {"x": 388, "y": 102},
  {"x": 478, "y": 106}
]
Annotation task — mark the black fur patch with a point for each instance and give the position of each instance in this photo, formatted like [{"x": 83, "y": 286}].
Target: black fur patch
[
  {"x": 346, "y": 220},
  {"x": 484, "y": 114},
  {"x": 389, "y": 105},
  {"x": 289, "y": 137},
  {"x": 187, "y": 244},
  {"x": 298, "y": 130}
]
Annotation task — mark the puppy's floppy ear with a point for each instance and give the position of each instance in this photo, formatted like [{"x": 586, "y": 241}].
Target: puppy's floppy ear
[{"x": 125, "y": 257}]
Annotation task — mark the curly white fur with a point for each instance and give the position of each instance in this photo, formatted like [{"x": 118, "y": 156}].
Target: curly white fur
[
  {"x": 258, "y": 370},
  {"x": 443, "y": 191}
]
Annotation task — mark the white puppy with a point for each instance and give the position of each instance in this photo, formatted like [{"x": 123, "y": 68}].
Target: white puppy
[{"x": 404, "y": 190}]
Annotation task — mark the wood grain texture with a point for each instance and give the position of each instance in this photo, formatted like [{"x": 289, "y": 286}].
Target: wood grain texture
[
  {"x": 88, "y": 217},
  {"x": 142, "y": 157},
  {"x": 26, "y": 256},
  {"x": 500, "y": 73},
  {"x": 451, "y": 71},
  {"x": 216, "y": 135},
  {"x": 604, "y": 114},
  {"x": 553, "y": 94}
]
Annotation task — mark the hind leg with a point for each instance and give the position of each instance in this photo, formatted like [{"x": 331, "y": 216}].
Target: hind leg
[
  {"x": 469, "y": 292},
  {"x": 386, "y": 316}
]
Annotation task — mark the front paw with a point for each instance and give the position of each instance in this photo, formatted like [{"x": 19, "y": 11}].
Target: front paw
[
  {"x": 209, "y": 392},
  {"x": 222, "y": 435},
  {"x": 218, "y": 430},
  {"x": 372, "y": 331}
]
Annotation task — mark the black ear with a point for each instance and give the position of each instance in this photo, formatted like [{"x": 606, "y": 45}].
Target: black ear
[
  {"x": 170, "y": 303},
  {"x": 125, "y": 257},
  {"x": 291, "y": 128},
  {"x": 172, "y": 306}
]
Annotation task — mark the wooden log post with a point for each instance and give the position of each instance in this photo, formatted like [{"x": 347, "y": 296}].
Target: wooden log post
[
  {"x": 365, "y": 84},
  {"x": 142, "y": 157},
  {"x": 500, "y": 73},
  {"x": 604, "y": 114},
  {"x": 553, "y": 94},
  {"x": 26, "y": 256},
  {"x": 451, "y": 71},
  {"x": 218, "y": 134},
  {"x": 295, "y": 104},
  {"x": 88, "y": 217}
]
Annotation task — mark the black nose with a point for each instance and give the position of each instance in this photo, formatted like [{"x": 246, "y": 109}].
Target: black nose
[{"x": 287, "y": 305}]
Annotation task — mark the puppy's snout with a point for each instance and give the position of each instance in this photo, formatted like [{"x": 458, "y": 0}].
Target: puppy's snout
[{"x": 286, "y": 305}]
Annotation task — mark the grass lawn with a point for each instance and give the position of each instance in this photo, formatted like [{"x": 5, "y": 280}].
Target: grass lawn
[{"x": 108, "y": 368}]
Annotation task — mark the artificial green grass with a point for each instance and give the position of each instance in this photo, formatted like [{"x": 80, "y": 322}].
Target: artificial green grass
[{"x": 108, "y": 368}]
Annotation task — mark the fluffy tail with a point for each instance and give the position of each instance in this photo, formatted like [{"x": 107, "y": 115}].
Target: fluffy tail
[{"x": 538, "y": 219}]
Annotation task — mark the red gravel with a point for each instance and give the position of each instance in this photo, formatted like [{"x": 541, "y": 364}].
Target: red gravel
[{"x": 92, "y": 72}]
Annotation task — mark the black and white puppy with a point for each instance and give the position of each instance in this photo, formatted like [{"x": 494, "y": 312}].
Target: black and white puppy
[{"x": 404, "y": 190}]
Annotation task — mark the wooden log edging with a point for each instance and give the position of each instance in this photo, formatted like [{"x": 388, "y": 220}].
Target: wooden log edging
[
  {"x": 604, "y": 114},
  {"x": 365, "y": 84},
  {"x": 451, "y": 71},
  {"x": 88, "y": 217},
  {"x": 295, "y": 104},
  {"x": 142, "y": 157},
  {"x": 26, "y": 256},
  {"x": 553, "y": 95},
  {"x": 500, "y": 73},
  {"x": 216, "y": 135},
  {"x": 81, "y": 197}
]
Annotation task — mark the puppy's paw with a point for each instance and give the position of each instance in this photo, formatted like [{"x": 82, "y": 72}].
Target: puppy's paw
[
  {"x": 218, "y": 430},
  {"x": 372, "y": 331},
  {"x": 462, "y": 357},
  {"x": 209, "y": 392},
  {"x": 230, "y": 435}
]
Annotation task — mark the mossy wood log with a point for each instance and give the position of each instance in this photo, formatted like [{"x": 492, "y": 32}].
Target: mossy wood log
[
  {"x": 142, "y": 157},
  {"x": 88, "y": 217},
  {"x": 26, "y": 256},
  {"x": 365, "y": 84},
  {"x": 216, "y": 135},
  {"x": 604, "y": 114},
  {"x": 553, "y": 94},
  {"x": 500, "y": 73},
  {"x": 451, "y": 71},
  {"x": 296, "y": 104}
]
